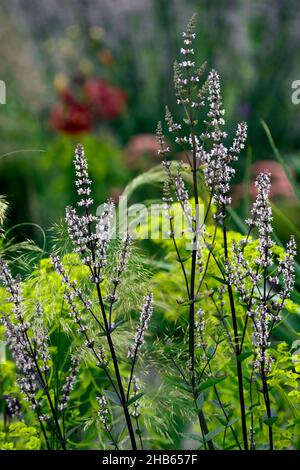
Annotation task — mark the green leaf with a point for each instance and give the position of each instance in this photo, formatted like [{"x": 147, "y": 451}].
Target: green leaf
[
  {"x": 113, "y": 397},
  {"x": 133, "y": 399},
  {"x": 209, "y": 436},
  {"x": 231, "y": 422},
  {"x": 192, "y": 436},
  {"x": 285, "y": 221},
  {"x": 177, "y": 382},
  {"x": 120, "y": 434},
  {"x": 210, "y": 383},
  {"x": 270, "y": 421},
  {"x": 200, "y": 401},
  {"x": 210, "y": 352},
  {"x": 219, "y": 279},
  {"x": 241, "y": 357},
  {"x": 238, "y": 220}
]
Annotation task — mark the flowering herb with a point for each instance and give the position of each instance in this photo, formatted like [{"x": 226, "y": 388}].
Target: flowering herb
[
  {"x": 91, "y": 237},
  {"x": 28, "y": 342},
  {"x": 232, "y": 289},
  {"x": 248, "y": 282}
]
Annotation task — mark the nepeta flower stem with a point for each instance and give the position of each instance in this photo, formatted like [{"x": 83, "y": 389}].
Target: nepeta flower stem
[
  {"x": 92, "y": 248},
  {"x": 32, "y": 354},
  {"x": 117, "y": 371},
  {"x": 202, "y": 420},
  {"x": 113, "y": 353}
]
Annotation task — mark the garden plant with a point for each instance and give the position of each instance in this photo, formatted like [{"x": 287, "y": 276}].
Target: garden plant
[{"x": 105, "y": 346}]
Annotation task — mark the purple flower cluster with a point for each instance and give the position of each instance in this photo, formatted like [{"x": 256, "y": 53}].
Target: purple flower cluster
[
  {"x": 103, "y": 412},
  {"x": 145, "y": 316},
  {"x": 69, "y": 383},
  {"x": 91, "y": 244},
  {"x": 217, "y": 162},
  {"x": 258, "y": 289},
  {"x": 17, "y": 337}
]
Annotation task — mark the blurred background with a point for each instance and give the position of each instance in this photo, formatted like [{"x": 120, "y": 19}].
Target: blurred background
[{"x": 100, "y": 72}]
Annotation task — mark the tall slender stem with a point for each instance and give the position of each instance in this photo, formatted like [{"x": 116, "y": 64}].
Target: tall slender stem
[
  {"x": 202, "y": 420},
  {"x": 267, "y": 403}
]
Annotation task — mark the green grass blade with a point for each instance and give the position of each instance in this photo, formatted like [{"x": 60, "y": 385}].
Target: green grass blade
[{"x": 281, "y": 160}]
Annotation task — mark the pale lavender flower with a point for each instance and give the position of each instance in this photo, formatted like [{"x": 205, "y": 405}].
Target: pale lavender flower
[
  {"x": 103, "y": 412},
  {"x": 102, "y": 238},
  {"x": 172, "y": 125},
  {"x": 217, "y": 162},
  {"x": 200, "y": 325},
  {"x": 145, "y": 316},
  {"x": 261, "y": 333},
  {"x": 240, "y": 138},
  {"x": 262, "y": 218},
  {"x": 40, "y": 339},
  {"x": 123, "y": 258},
  {"x": 16, "y": 332},
  {"x": 14, "y": 290},
  {"x": 164, "y": 150},
  {"x": 13, "y": 405},
  {"x": 186, "y": 75},
  {"x": 89, "y": 234},
  {"x": 183, "y": 197},
  {"x": 287, "y": 268},
  {"x": 69, "y": 383},
  {"x": 78, "y": 233},
  {"x": 83, "y": 182}
]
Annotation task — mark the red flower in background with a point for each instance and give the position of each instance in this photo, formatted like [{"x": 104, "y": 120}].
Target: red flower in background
[
  {"x": 72, "y": 119},
  {"x": 106, "y": 101},
  {"x": 99, "y": 100}
]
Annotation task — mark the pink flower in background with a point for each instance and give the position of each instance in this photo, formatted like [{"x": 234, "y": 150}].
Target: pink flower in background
[
  {"x": 280, "y": 183},
  {"x": 139, "y": 146},
  {"x": 281, "y": 186}
]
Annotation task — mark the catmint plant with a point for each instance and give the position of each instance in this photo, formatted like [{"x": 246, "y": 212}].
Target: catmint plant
[
  {"x": 258, "y": 283},
  {"x": 234, "y": 289},
  {"x": 90, "y": 236},
  {"x": 204, "y": 142},
  {"x": 28, "y": 341},
  {"x": 191, "y": 96}
]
